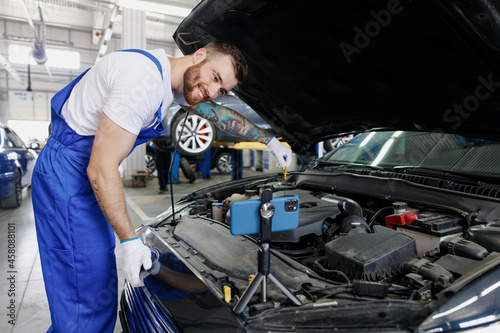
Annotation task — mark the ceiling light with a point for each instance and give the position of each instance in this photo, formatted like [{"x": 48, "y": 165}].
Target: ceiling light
[{"x": 154, "y": 7}]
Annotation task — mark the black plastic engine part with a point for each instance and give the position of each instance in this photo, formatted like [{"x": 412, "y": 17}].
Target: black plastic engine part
[
  {"x": 370, "y": 256},
  {"x": 312, "y": 216},
  {"x": 255, "y": 309},
  {"x": 486, "y": 235},
  {"x": 431, "y": 271},
  {"x": 423, "y": 288},
  {"x": 353, "y": 224},
  {"x": 373, "y": 289},
  {"x": 464, "y": 248},
  {"x": 347, "y": 206},
  {"x": 435, "y": 224},
  {"x": 462, "y": 266}
]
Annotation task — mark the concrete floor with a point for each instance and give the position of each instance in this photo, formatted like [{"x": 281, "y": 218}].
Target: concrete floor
[{"x": 31, "y": 312}]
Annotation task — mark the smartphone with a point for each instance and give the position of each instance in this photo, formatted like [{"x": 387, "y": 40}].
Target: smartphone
[{"x": 245, "y": 216}]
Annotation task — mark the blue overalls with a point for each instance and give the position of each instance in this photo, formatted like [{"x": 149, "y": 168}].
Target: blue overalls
[{"x": 76, "y": 243}]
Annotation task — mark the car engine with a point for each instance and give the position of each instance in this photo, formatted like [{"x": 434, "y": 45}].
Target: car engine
[{"x": 380, "y": 247}]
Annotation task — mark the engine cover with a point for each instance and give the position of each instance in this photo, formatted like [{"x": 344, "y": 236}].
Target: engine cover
[
  {"x": 312, "y": 214},
  {"x": 370, "y": 256}
]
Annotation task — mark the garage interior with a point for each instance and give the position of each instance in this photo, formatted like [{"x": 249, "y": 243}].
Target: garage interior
[{"x": 46, "y": 44}]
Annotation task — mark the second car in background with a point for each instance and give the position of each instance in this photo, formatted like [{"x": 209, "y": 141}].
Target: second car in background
[{"x": 16, "y": 167}]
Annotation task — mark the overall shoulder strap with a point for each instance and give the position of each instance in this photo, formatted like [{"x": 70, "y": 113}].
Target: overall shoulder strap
[
  {"x": 158, "y": 65},
  {"x": 147, "y": 54}
]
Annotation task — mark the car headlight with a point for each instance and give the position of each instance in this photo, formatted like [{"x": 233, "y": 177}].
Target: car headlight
[{"x": 475, "y": 308}]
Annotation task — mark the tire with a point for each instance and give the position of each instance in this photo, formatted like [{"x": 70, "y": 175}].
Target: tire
[
  {"x": 198, "y": 135},
  {"x": 150, "y": 162},
  {"x": 224, "y": 162},
  {"x": 337, "y": 142},
  {"x": 16, "y": 197},
  {"x": 186, "y": 169}
]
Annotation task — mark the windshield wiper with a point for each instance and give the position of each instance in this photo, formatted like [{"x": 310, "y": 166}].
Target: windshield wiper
[
  {"x": 347, "y": 165},
  {"x": 459, "y": 176}
]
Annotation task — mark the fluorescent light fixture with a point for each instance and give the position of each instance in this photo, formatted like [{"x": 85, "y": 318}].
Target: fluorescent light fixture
[
  {"x": 385, "y": 148},
  {"x": 367, "y": 139},
  {"x": 8, "y": 67},
  {"x": 154, "y": 7},
  {"x": 20, "y": 54}
]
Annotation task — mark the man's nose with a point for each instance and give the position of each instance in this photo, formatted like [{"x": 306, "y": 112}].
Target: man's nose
[{"x": 213, "y": 90}]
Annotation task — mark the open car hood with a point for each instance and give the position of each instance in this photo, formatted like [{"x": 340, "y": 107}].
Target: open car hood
[{"x": 321, "y": 69}]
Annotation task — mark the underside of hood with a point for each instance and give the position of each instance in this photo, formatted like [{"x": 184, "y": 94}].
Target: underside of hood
[{"x": 319, "y": 69}]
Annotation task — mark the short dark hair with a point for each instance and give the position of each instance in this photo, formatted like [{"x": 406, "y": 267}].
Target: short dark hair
[{"x": 240, "y": 65}]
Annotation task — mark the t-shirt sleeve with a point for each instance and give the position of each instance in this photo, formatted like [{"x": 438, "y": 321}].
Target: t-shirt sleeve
[{"x": 134, "y": 90}]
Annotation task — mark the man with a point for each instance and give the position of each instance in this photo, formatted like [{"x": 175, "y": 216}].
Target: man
[{"x": 78, "y": 197}]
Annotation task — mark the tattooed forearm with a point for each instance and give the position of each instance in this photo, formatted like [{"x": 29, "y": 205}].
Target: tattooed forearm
[
  {"x": 230, "y": 121},
  {"x": 96, "y": 193}
]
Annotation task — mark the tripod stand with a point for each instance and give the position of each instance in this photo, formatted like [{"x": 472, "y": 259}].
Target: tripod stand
[{"x": 264, "y": 257}]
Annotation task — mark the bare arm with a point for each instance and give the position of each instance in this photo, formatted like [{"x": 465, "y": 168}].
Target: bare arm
[
  {"x": 230, "y": 121},
  {"x": 111, "y": 145}
]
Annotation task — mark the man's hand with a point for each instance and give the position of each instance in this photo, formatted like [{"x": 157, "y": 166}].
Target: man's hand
[
  {"x": 282, "y": 152},
  {"x": 136, "y": 256}
]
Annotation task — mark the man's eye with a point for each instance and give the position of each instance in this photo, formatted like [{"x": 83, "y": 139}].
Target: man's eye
[
  {"x": 222, "y": 92},
  {"x": 216, "y": 78}
]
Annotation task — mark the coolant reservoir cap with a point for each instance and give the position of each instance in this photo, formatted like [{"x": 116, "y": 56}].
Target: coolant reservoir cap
[{"x": 400, "y": 206}]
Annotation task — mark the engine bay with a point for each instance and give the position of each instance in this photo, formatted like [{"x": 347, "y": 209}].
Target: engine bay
[{"x": 366, "y": 247}]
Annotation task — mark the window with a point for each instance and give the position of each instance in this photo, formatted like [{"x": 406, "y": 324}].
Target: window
[
  {"x": 20, "y": 54},
  {"x": 13, "y": 141}
]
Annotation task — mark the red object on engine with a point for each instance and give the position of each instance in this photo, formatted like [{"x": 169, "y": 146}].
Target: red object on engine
[{"x": 402, "y": 218}]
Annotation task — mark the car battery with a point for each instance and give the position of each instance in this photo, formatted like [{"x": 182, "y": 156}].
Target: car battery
[
  {"x": 430, "y": 229},
  {"x": 401, "y": 215}
]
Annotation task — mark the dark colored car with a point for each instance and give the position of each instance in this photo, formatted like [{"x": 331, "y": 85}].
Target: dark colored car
[
  {"x": 200, "y": 134},
  {"x": 397, "y": 230},
  {"x": 16, "y": 167}
]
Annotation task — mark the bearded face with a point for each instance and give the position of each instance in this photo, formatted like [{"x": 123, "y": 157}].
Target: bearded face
[
  {"x": 194, "y": 93},
  {"x": 208, "y": 79}
]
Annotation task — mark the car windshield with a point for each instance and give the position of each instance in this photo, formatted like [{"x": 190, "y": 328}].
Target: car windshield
[{"x": 397, "y": 149}]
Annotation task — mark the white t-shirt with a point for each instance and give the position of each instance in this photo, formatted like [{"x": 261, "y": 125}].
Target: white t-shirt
[{"x": 127, "y": 87}]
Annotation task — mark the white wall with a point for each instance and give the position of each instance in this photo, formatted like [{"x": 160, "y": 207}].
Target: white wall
[{"x": 73, "y": 31}]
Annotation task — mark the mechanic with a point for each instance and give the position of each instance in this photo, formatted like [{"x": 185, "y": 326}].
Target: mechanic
[{"x": 78, "y": 197}]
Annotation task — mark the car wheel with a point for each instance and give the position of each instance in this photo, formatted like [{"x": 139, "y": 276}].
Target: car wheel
[
  {"x": 337, "y": 142},
  {"x": 224, "y": 162},
  {"x": 197, "y": 137},
  {"x": 16, "y": 197},
  {"x": 186, "y": 169}
]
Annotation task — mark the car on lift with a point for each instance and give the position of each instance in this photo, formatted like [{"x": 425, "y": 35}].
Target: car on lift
[
  {"x": 396, "y": 230},
  {"x": 199, "y": 134},
  {"x": 16, "y": 167}
]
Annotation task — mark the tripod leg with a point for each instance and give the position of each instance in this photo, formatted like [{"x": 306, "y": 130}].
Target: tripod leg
[
  {"x": 263, "y": 290},
  {"x": 285, "y": 290},
  {"x": 249, "y": 292}
]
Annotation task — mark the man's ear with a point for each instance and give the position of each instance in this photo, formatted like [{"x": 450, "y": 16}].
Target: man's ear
[{"x": 199, "y": 56}]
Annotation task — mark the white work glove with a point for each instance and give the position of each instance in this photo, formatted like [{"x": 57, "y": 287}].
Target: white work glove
[
  {"x": 154, "y": 270},
  {"x": 282, "y": 152},
  {"x": 136, "y": 256}
]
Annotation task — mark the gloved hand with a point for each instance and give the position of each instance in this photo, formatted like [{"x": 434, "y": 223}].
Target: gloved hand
[
  {"x": 282, "y": 152},
  {"x": 155, "y": 268},
  {"x": 136, "y": 256}
]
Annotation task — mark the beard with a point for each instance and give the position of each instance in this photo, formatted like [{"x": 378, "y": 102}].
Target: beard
[{"x": 191, "y": 82}]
